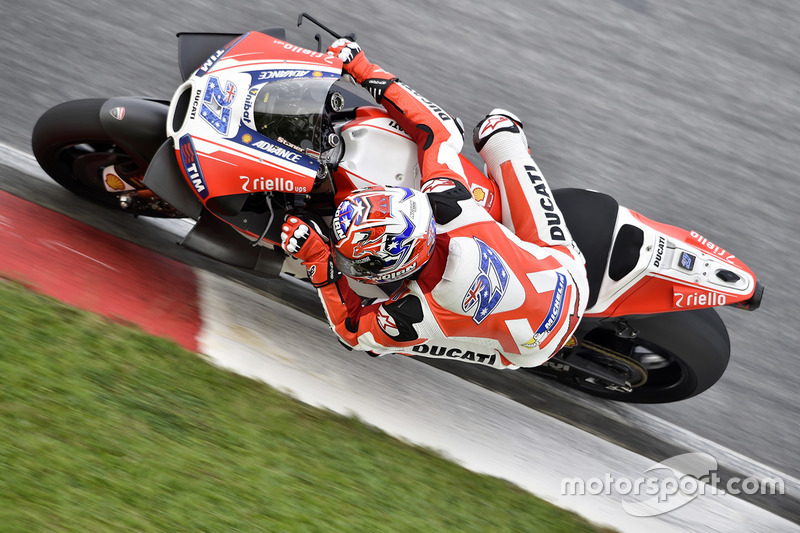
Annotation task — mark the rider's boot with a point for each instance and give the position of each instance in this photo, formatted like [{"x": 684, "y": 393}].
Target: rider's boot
[{"x": 500, "y": 131}]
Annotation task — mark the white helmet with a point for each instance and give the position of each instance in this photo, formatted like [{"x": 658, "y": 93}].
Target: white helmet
[{"x": 382, "y": 234}]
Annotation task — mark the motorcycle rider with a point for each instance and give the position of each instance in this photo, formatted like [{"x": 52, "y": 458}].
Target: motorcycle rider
[{"x": 503, "y": 295}]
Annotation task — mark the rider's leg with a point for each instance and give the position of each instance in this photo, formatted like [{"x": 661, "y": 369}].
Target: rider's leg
[
  {"x": 527, "y": 202},
  {"x": 528, "y": 209}
]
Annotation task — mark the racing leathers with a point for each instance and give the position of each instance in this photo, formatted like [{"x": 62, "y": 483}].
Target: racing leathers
[{"x": 503, "y": 295}]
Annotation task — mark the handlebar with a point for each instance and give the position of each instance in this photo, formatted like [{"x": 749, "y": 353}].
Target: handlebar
[{"x": 351, "y": 36}]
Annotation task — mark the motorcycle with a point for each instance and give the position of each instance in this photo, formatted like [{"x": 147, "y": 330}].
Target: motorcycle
[{"x": 261, "y": 127}]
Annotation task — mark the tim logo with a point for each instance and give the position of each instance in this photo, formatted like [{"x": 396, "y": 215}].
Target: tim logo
[
  {"x": 191, "y": 166},
  {"x": 489, "y": 286}
]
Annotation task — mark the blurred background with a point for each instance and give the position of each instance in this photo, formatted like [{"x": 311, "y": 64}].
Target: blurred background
[{"x": 688, "y": 112}]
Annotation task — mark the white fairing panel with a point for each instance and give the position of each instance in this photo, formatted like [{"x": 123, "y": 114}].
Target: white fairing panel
[
  {"x": 378, "y": 152},
  {"x": 690, "y": 272},
  {"x": 610, "y": 290}
]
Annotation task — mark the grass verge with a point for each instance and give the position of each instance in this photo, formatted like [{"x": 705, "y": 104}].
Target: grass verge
[{"x": 104, "y": 428}]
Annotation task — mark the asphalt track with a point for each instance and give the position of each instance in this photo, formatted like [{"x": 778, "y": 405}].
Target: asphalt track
[{"x": 686, "y": 112}]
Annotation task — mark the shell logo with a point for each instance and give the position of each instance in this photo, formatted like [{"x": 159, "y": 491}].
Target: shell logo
[
  {"x": 114, "y": 182},
  {"x": 479, "y": 194},
  {"x": 246, "y": 138},
  {"x": 317, "y": 74}
]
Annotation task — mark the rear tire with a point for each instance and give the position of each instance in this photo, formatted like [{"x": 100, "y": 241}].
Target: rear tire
[{"x": 684, "y": 354}]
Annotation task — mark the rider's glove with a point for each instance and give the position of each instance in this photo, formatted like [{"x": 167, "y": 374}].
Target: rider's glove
[
  {"x": 344, "y": 49},
  {"x": 370, "y": 76},
  {"x": 301, "y": 240}
]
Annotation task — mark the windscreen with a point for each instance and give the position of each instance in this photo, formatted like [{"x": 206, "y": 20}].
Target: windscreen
[{"x": 291, "y": 111}]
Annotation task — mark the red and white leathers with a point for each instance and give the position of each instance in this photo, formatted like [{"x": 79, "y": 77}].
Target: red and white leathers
[{"x": 499, "y": 295}]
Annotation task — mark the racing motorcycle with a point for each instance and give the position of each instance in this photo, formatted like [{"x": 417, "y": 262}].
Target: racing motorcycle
[{"x": 261, "y": 127}]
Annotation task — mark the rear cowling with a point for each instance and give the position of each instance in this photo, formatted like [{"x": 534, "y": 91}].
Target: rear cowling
[{"x": 637, "y": 266}]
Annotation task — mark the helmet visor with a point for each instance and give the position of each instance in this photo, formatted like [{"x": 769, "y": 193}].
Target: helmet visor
[{"x": 365, "y": 268}]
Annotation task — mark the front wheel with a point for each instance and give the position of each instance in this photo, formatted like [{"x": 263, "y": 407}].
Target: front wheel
[
  {"x": 73, "y": 148},
  {"x": 660, "y": 358}
]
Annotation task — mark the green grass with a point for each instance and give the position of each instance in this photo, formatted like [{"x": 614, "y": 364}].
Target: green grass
[{"x": 103, "y": 428}]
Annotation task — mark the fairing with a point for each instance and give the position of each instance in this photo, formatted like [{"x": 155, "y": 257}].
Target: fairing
[{"x": 229, "y": 121}]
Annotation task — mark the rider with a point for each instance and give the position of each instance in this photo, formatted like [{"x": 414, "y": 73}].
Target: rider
[{"x": 502, "y": 295}]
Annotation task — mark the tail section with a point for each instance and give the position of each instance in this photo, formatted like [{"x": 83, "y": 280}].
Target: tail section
[{"x": 656, "y": 268}]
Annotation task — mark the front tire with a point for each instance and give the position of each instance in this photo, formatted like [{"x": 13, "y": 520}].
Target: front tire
[{"x": 73, "y": 148}]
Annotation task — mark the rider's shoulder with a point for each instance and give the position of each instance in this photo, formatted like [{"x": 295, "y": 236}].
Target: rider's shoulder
[{"x": 445, "y": 195}]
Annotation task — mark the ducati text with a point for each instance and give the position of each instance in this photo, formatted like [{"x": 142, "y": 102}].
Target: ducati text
[
  {"x": 546, "y": 202},
  {"x": 662, "y": 242},
  {"x": 455, "y": 353}
]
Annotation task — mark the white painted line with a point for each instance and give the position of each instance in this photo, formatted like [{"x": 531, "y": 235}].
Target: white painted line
[
  {"x": 54, "y": 244},
  {"x": 485, "y": 432},
  {"x": 21, "y": 161}
]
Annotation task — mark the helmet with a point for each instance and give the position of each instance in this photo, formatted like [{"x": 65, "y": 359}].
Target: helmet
[{"x": 382, "y": 234}]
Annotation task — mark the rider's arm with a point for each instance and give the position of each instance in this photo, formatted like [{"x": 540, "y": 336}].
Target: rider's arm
[
  {"x": 437, "y": 134},
  {"x": 379, "y": 327}
]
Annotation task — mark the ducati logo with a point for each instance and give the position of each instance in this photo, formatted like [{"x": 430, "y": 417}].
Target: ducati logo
[{"x": 118, "y": 113}]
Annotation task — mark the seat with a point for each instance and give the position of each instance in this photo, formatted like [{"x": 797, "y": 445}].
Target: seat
[{"x": 590, "y": 217}]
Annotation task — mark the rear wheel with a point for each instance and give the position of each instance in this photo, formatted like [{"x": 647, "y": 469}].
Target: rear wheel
[
  {"x": 73, "y": 148},
  {"x": 662, "y": 358}
]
